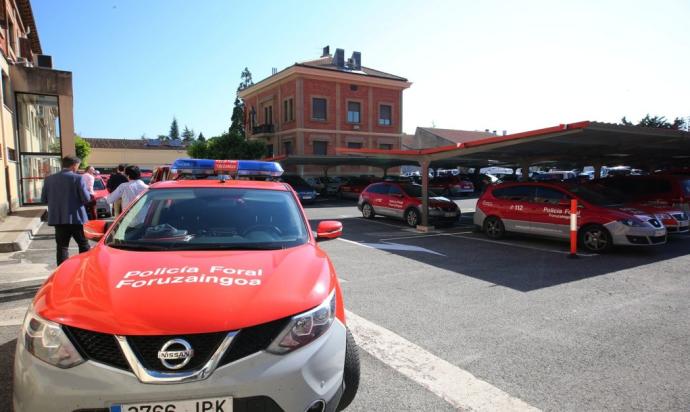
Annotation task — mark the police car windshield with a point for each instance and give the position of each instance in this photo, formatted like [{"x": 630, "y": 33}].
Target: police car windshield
[
  {"x": 600, "y": 195},
  {"x": 98, "y": 184},
  {"x": 211, "y": 219},
  {"x": 415, "y": 190}
]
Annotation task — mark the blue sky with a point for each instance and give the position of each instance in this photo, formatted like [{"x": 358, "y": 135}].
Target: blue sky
[{"x": 499, "y": 65}]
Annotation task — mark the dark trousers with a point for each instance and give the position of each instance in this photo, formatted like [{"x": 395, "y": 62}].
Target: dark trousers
[{"x": 63, "y": 234}]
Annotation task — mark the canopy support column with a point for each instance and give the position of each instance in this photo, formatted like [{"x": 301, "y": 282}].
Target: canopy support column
[
  {"x": 524, "y": 165},
  {"x": 597, "y": 170},
  {"x": 424, "y": 227}
]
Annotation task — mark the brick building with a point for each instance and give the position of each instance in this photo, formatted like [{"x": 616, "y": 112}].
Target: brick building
[{"x": 310, "y": 108}]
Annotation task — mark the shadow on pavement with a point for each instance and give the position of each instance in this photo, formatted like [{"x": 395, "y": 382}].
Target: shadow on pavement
[
  {"x": 20, "y": 293},
  {"x": 521, "y": 263},
  {"x": 6, "y": 369}
]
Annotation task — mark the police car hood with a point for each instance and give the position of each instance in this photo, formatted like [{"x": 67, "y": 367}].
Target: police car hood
[{"x": 152, "y": 293}]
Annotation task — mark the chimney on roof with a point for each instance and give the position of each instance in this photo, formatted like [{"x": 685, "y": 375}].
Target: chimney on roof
[
  {"x": 339, "y": 58},
  {"x": 486, "y": 130},
  {"x": 505, "y": 132},
  {"x": 326, "y": 51},
  {"x": 356, "y": 60},
  {"x": 494, "y": 133}
]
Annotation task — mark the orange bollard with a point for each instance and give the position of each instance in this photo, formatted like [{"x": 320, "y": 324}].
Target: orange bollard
[{"x": 573, "y": 228}]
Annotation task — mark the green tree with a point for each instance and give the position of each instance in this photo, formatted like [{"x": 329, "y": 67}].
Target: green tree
[
  {"x": 187, "y": 135},
  {"x": 198, "y": 149},
  {"x": 162, "y": 137},
  {"x": 227, "y": 146},
  {"x": 82, "y": 148},
  {"x": 659, "y": 122},
  {"x": 247, "y": 81},
  {"x": 237, "y": 119},
  {"x": 201, "y": 137},
  {"x": 174, "y": 133}
]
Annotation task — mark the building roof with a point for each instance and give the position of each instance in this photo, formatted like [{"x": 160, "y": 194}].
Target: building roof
[
  {"x": 457, "y": 136},
  {"x": 326, "y": 63},
  {"x": 27, "y": 16},
  {"x": 148, "y": 144}
]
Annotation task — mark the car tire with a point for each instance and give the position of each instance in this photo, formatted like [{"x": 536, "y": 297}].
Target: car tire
[
  {"x": 350, "y": 372},
  {"x": 412, "y": 217},
  {"x": 493, "y": 227},
  {"x": 595, "y": 238},
  {"x": 368, "y": 211}
]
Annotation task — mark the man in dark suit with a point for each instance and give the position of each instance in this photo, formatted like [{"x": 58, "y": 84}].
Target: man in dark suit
[
  {"x": 116, "y": 179},
  {"x": 66, "y": 194}
]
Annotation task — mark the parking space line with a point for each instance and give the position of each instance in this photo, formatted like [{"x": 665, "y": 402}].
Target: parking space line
[
  {"x": 3, "y": 282},
  {"x": 456, "y": 386},
  {"x": 561, "y": 252}
]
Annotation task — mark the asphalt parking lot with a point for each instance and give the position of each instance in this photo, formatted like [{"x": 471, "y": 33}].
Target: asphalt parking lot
[{"x": 450, "y": 320}]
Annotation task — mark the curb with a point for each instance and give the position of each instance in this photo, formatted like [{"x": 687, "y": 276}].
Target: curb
[{"x": 19, "y": 239}]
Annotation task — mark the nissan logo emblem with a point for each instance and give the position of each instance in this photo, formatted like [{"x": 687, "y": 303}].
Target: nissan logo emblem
[{"x": 175, "y": 353}]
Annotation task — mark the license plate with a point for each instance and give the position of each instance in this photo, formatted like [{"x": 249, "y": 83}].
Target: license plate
[
  {"x": 659, "y": 233},
  {"x": 449, "y": 214},
  {"x": 195, "y": 405}
]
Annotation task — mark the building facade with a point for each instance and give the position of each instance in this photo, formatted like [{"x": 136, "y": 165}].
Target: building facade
[
  {"x": 313, "y": 107},
  {"x": 36, "y": 123},
  {"x": 106, "y": 154}
]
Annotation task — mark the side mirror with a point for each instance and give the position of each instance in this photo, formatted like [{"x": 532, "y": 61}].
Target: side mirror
[
  {"x": 329, "y": 229},
  {"x": 95, "y": 229}
]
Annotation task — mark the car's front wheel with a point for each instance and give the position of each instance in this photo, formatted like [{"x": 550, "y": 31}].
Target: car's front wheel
[
  {"x": 350, "y": 373},
  {"x": 412, "y": 217},
  {"x": 595, "y": 238},
  {"x": 494, "y": 228},
  {"x": 368, "y": 211}
]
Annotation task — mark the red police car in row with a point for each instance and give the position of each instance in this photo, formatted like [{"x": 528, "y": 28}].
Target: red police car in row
[
  {"x": 544, "y": 209},
  {"x": 404, "y": 201}
]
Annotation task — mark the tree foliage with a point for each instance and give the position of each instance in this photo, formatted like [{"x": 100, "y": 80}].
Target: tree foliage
[
  {"x": 174, "y": 133},
  {"x": 226, "y": 146},
  {"x": 187, "y": 134},
  {"x": 201, "y": 137},
  {"x": 82, "y": 149},
  {"x": 237, "y": 119},
  {"x": 247, "y": 81},
  {"x": 659, "y": 122}
]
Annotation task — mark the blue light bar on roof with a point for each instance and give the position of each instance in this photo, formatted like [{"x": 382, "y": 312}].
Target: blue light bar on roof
[{"x": 231, "y": 167}]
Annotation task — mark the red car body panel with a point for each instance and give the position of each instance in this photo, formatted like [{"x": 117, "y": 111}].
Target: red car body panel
[{"x": 83, "y": 292}]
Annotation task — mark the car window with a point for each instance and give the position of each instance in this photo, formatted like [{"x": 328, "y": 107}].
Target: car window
[
  {"x": 98, "y": 184},
  {"x": 395, "y": 190},
  {"x": 517, "y": 193},
  {"x": 378, "y": 189},
  {"x": 211, "y": 218},
  {"x": 548, "y": 195},
  {"x": 413, "y": 190}
]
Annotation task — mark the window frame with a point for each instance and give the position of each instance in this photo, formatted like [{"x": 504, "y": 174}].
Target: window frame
[
  {"x": 325, "y": 109},
  {"x": 359, "y": 111},
  {"x": 324, "y": 142},
  {"x": 390, "y": 118}
]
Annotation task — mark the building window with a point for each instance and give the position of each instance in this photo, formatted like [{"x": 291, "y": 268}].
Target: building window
[
  {"x": 269, "y": 150},
  {"x": 318, "y": 108},
  {"x": 288, "y": 110},
  {"x": 6, "y": 95},
  {"x": 321, "y": 148},
  {"x": 353, "y": 112},
  {"x": 385, "y": 112},
  {"x": 385, "y": 146},
  {"x": 11, "y": 154},
  {"x": 268, "y": 115},
  {"x": 287, "y": 148},
  {"x": 354, "y": 145}
]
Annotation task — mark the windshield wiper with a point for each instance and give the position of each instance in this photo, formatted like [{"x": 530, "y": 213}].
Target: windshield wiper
[
  {"x": 136, "y": 246},
  {"x": 228, "y": 246}
]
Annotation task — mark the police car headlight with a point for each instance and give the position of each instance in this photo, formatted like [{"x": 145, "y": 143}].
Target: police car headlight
[
  {"x": 47, "y": 341},
  {"x": 305, "y": 327},
  {"x": 632, "y": 222}
]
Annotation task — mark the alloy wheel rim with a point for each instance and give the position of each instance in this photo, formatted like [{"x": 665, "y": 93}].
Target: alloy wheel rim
[
  {"x": 367, "y": 210},
  {"x": 412, "y": 219},
  {"x": 595, "y": 239},
  {"x": 492, "y": 228}
]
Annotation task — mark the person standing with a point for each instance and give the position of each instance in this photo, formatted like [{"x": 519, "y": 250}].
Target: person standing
[
  {"x": 66, "y": 194},
  {"x": 116, "y": 179},
  {"x": 130, "y": 190},
  {"x": 89, "y": 178}
]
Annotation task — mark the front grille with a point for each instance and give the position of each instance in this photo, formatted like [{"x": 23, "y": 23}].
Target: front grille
[
  {"x": 146, "y": 348},
  {"x": 655, "y": 222},
  {"x": 253, "y": 339},
  {"x": 99, "y": 347},
  {"x": 637, "y": 240}
]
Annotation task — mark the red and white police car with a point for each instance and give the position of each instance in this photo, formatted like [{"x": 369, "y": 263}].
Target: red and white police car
[
  {"x": 204, "y": 295},
  {"x": 403, "y": 201},
  {"x": 544, "y": 209}
]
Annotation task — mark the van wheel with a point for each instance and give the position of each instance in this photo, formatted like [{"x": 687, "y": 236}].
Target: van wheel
[
  {"x": 368, "y": 211},
  {"x": 412, "y": 217},
  {"x": 493, "y": 227},
  {"x": 351, "y": 372},
  {"x": 595, "y": 238}
]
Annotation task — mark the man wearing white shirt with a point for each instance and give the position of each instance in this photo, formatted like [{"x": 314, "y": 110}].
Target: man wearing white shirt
[{"x": 130, "y": 190}]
